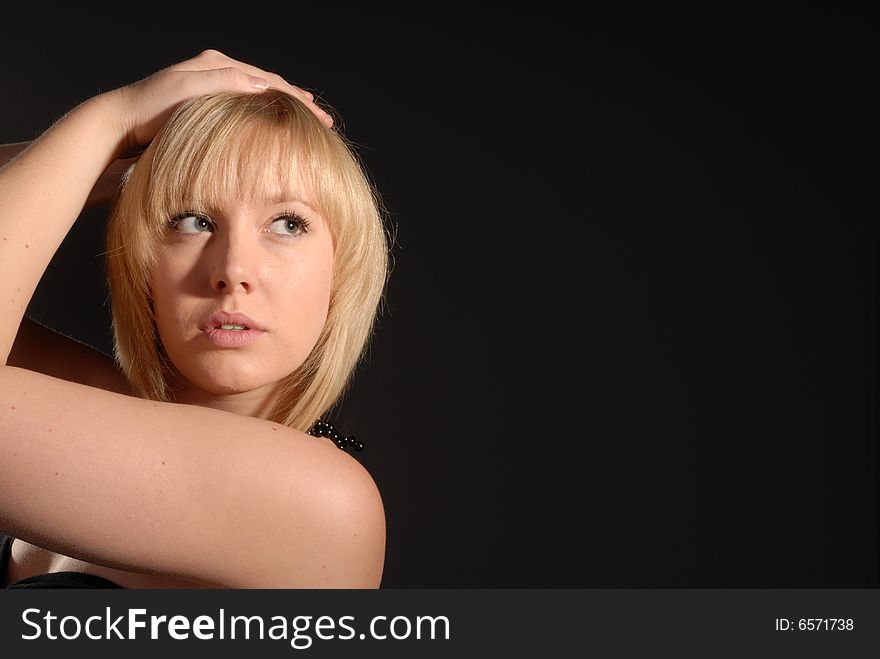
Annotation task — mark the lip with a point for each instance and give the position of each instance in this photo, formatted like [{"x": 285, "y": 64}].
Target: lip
[
  {"x": 231, "y": 338},
  {"x": 230, "y": 318}
]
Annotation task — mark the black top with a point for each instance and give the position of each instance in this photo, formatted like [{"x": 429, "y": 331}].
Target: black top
[{"x": 52, "y": 580}]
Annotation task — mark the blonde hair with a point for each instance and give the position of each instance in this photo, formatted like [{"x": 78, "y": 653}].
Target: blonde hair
[{"x": 249, "y": 146}]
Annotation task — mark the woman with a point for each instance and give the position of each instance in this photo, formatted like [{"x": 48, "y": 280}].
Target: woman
[{"x": 246, "y": 260}]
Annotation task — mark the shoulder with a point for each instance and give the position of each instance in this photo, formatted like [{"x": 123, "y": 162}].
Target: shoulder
[{"x": 323, "y": 520}]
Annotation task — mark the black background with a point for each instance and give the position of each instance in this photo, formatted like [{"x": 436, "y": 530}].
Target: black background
[{"x": 629, "y": 332}]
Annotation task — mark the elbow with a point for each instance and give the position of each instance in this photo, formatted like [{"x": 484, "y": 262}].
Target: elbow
[
  {"x": 357, "y": 528},
  {"x": 333, "y": 537},
  {"x": 370, "y": 528}
]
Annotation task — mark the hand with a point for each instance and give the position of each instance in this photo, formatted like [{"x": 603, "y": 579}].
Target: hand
[{"x": 145, "y": 106}]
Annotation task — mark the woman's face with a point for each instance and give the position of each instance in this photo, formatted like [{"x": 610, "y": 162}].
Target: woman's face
[{"x": 271, "y": 261}]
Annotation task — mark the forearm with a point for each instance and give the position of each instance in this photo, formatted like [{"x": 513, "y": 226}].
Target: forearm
[
  {"x": 103, "y": 191},
  {"x": 42, "y": 192}
]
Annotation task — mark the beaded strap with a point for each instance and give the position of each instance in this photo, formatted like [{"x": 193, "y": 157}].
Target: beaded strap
[{"x": 327, "y": 429}]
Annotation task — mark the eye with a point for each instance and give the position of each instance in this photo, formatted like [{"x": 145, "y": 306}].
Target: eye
[
  {"x": 190, "y": 223},
  {"x": 291, "y": 224}
]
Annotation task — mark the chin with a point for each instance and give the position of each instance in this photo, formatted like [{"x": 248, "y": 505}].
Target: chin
[
  {"x": 225, "y": 389},
  {"x": 231, "y": 383},
  {"x": 225, "y": 381},
  {"x": 225, "y": 374}
]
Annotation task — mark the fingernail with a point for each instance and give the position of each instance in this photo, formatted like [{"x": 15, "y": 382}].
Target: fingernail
[{"x": 259, "y": 83}]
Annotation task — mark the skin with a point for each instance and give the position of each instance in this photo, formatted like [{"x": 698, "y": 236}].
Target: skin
[
  {"x": 242, "y": 258},
  {"x": 313, "y": 518}
]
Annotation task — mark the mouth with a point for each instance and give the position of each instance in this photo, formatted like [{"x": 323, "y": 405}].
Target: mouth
[
  {"x": 230, "y": 329},
  {"x": 231, "y": 338},
  {"x": 231, "y": 322}
]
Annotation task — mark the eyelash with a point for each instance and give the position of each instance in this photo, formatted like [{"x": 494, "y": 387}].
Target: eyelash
[{"x": 301, "y": 222}]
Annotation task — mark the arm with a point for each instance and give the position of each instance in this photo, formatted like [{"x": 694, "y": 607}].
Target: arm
[
  {"x": 104, "y": 190},
  {"x": 42, "y": 191},
  {"x": 156, "y": 487},
  {"x": 182, "y": 490},
  {"x": 42, "y": 349}
]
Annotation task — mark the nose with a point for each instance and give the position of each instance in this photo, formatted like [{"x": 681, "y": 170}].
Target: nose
[{"x": 233, "y": 263}]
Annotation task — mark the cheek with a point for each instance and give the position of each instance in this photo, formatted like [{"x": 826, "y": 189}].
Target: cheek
[
  {"x": 166, "y": 283},
  {"x": 170, "y": 271},
  {"x": 302, "y": 298},
  {"x": 323, "y": 278}
]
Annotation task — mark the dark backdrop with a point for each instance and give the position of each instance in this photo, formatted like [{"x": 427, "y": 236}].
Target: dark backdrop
[{"x": 629, "y": 333}]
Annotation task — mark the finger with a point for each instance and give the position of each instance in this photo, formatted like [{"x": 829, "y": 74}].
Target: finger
[
  {"x": 212, "y": 58},
  {"x": 228, "y": 78},
  {"x": 309, "y": 95},
  {"x": 277, "y": 82}
]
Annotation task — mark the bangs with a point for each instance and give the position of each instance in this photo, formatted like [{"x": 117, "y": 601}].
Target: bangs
[{"x": 248, "y": 148}]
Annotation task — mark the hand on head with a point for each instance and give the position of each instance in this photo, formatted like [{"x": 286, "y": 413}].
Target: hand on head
[{"x": 144, "y": 106}]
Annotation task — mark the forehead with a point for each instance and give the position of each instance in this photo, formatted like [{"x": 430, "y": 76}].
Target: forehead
[{"x": 258, "y": 174}]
